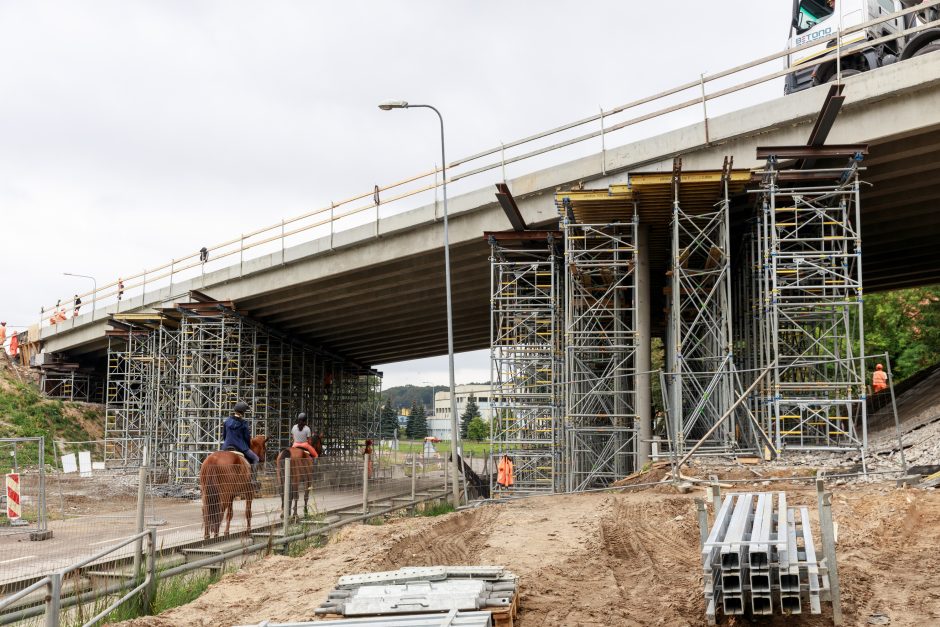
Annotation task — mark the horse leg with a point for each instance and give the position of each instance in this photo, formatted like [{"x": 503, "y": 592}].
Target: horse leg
[
  {"x": 248, "y": 511},
  {"x": 306, "y": 499},
  {"x": 229, "y": 510}
]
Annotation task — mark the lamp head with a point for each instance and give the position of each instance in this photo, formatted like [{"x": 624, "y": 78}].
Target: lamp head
[{"x": 388, "y": 105}]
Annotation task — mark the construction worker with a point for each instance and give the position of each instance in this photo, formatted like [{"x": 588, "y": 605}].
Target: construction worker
[
  {"x": 879, "y": 379},
  {"x": 236, "y": 435},
  {"x": 15, "y": 347},
  {"x": 120, "y": 288},
  {"x": 302, "y": 435},
  {"x": 3, "y": 334},
  {"x": 504, "y": 472}
]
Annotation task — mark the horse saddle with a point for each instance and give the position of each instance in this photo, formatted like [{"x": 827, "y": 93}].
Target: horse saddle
[{"x": 229, "y": 449}]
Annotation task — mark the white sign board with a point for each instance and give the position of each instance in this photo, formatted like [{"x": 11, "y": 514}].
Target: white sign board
[
  {"x": 84, "y": 463},
  {"x": 69, "y": 464}
]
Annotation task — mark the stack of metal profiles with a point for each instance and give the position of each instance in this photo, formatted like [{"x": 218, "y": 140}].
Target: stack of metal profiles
[
  {"x": 760, "y": 558},
  {"x": 453, "y": 618},
  {"x": 439, "y": 589}
]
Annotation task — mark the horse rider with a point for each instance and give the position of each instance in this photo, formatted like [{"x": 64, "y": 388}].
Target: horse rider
[
  {"x": 237, "y": 437},
  {"x": 301, "y": 435}
]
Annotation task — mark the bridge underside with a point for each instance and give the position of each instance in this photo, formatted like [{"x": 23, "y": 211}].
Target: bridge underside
[{"x": 396, "y": 311}]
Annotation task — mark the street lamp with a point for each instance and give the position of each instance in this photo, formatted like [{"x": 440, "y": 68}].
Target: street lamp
[
  {"x": 455, "y": 433},
  {"x": 94, "y": 294}
]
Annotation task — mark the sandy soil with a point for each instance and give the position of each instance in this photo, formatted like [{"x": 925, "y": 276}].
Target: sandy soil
[{"x": 598, "y": 559}]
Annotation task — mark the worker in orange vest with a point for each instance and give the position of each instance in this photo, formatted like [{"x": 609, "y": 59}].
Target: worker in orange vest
[
  {"x": 504, "y": 472},
  {"x": 14, "y": 347},
  {"x": 879, "y": 379},
  {"x": 3, "y": 333}
]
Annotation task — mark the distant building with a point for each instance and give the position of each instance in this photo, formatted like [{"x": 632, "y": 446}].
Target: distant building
[{"x": 439, "y": 423}]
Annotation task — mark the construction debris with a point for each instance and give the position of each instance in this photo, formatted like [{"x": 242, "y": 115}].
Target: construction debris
[
  {"x": 440, "y": 589},
  {"x": 453, "y": 618}
]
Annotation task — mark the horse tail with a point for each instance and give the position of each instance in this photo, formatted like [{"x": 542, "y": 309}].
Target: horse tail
[
  {"x": 211, "y": 499},
  {"x": 284, "y": 454}
]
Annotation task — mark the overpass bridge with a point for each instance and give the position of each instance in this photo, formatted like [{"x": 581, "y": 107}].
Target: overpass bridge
[
  {"x": 331, "y": 308},
  {"x": 374, "y": 293}
]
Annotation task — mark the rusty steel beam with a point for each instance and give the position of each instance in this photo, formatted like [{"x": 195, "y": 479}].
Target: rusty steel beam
[{"x": 508, "y": 203}]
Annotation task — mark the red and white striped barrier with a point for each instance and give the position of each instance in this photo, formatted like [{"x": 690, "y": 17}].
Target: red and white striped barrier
[{"x": 13, "y": 496}]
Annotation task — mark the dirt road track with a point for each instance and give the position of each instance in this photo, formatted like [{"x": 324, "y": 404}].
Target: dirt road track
[{"x": 598, "y": 559}]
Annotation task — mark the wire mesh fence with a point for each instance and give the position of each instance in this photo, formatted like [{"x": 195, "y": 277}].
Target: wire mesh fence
[{"x": 91, "y": 506}]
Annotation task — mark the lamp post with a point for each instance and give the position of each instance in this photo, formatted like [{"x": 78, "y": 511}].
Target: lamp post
[
  {"x": 94, "y": 294},
  {"x": 455, "y": 433}
]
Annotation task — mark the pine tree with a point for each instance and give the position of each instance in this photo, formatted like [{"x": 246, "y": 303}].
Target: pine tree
[
  {"x": 388, "y": 423},
  {"x": 420, "y": 423},
  {"x": 472, "y": 411},
  {"x": 410, "y": 425}
]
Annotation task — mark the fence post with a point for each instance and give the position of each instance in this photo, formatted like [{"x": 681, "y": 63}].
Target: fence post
[
  {"x": 716, "y": 498},
  {"x": 414, "y": 477},
  {"x": 150, "y": 592},
  {"x": 285, "y": 512},
  {"x": 365, "y": 484},
  {"x": 702, "y": 522},
  {"x": 827, "y": 529},
  {"x": 141, "y": 502},
  {"x": 54, "y": 604}
]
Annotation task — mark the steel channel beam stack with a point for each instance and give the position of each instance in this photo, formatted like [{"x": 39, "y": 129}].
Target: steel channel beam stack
[{"x": 758, "y": 546}]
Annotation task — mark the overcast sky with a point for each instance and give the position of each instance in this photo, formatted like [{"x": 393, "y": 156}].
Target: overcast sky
[{"x": 133, "y": 132}]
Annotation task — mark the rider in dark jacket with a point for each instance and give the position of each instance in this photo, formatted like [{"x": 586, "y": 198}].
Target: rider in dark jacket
[{"x": 237, "y": 433}]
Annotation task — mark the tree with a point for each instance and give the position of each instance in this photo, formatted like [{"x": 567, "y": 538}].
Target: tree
[
  {"x": 471, "y": 412},
  {"x": 388, "y": 423},
  {"x": 906, "y": 324},
  {"x": 477, "y": 429},
  {"x": 420, "y": 430},
  {"x": 410, "y": 424}
]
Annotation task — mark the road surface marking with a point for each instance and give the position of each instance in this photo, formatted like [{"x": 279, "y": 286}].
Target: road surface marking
[
  {"x": 158, "y": 531},
  {"x": 17, "y": 559}
]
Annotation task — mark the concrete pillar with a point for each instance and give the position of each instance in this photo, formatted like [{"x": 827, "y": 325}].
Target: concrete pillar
[{"x": 644, "y": 396}]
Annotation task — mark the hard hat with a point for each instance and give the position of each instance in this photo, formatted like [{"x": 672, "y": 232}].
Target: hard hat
[
  {"x": 879, "y": 367},
  {"x": 301, "y": 416},
  {"x": 241, "y": 407}
]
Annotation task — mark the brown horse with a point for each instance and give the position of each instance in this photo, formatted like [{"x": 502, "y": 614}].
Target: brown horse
[
  {"x": 225, "y": 475},
  {"x": 301, "y": 477}
]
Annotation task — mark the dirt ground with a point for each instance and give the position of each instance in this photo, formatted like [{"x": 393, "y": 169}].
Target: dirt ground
[{"x": 627, "y": 558}]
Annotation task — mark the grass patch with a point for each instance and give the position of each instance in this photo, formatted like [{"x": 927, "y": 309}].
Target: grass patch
[
  {"x": 298, "y": 548},
  {"x": 26, "y": 413},
  {"x": 436, "y": 509}
]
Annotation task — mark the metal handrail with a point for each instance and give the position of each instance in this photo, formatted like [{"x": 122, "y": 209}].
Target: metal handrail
[{"x": 330, "y": 216}]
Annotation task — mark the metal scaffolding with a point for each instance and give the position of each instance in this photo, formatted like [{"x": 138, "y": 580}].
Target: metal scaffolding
[
  {"x": 525, "y": 359},
  {"x": 802, "y": 309},
  {"x": 174, "y": 375},
  {"x": 599, "y": 349},
  {"x": 68, "y": 383},
  {"x": 702, "y": 382}
]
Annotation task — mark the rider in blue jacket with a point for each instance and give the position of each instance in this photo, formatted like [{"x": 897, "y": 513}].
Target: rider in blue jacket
[{"x": 236, "y": 435}]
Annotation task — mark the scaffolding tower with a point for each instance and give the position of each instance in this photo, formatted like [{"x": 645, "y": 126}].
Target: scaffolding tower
[
  {"x": 802, "y": 311},
  {"x": 525, "y": 358},
  {"x": 599, "y": 348},
  {"x": 702, "y": 381},
  {"x": 175, "y": 374}
]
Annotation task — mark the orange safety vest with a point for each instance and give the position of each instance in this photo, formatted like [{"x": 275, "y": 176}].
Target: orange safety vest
[
  {"x": 14, "y": 345},
  {"x": 879, "y": 380},
  {"x": 504, "y": 472}
]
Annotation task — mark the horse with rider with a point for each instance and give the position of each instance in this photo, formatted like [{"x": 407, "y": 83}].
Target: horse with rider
[{"x": 231, "y": 472}]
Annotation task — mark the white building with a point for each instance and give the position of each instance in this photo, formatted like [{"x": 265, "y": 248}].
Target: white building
[{"x": 439, "y": 423}]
